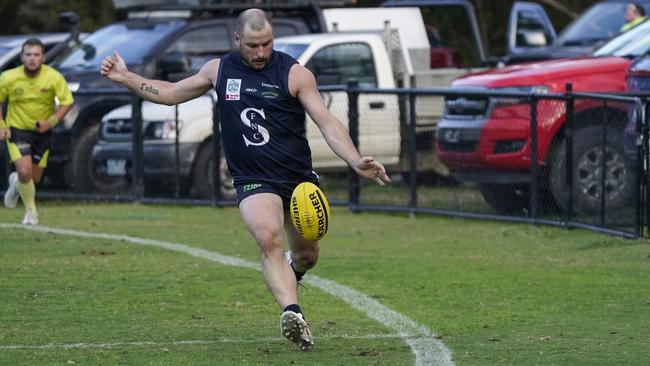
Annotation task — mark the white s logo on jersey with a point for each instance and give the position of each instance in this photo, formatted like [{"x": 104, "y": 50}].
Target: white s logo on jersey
[{"x": 260, "y": 134}]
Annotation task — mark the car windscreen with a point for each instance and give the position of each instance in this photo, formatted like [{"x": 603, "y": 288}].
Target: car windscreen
[
  {"x": 632, "y": 43},
  {"x": 600, "y": 22},
  {"x": 133, "y": 44},
  {"x": 292, "y": 49},
  {"x": 4, "y": 50}
]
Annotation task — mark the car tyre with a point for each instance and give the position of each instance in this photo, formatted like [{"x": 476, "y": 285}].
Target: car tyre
[
  {"x": 202, "y": 174},
  {"x": 506, "y": 199},
  {"x": 587, "y": 166},
  {"x": 82, "y": 171}
]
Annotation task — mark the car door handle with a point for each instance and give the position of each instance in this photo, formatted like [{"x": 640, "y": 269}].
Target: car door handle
[{"x": 377, "y": 105}]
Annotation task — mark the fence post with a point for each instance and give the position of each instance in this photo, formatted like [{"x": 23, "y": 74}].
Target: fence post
[
  {"x": 137, "y": 143},
  {"x": 177, "y": 156},
  {"x": 641, "y": 145},
  {"x": 534, "y": 168},
  {"x": 353, "y": 127},
  {"x": 646, "y": 162},
  {"x": 412, "y": 151},
  {"x": 568, "y": 155},
  {"x": 603, "y": 168},
  {"x": 216, "y": 162}
]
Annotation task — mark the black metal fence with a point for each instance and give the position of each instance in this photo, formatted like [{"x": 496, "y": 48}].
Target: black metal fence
[
  {"x": 558, "y": 159},
  {"x": 572, "y": 159}
]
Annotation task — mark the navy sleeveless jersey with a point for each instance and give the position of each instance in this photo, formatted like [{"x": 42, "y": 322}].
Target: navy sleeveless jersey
[{"x": 262, "y": 124}]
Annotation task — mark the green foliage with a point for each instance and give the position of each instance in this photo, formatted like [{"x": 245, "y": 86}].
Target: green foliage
[
  {"x": 42, "y": 16},
  {"x": 494, "y": 293}
]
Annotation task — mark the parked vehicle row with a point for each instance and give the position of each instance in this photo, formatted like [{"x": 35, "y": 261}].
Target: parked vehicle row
[
  {"x": 491, "y": 145},
  {"x": 334, "y": 60},
  {"x": 172, "y": 45}
]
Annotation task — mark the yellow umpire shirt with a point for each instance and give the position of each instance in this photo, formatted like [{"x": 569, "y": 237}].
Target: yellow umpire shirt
[{"x": 32, "y": 99}]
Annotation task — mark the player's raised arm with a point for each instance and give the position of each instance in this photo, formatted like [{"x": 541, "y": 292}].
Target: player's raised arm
[
  {"x": 302, "y": 81},
  {"x": 159, "y": 91}
]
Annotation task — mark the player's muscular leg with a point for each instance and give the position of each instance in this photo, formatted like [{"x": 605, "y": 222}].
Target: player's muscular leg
[
  {"x": 304, "y": 253},
  {"x": 24, "y": 168},
  {"x": 37, "y": 173},
  {"x": 263, "y": 215}
]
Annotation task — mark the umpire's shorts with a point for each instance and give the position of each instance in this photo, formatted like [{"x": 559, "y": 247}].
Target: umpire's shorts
[{"x": 32, "y": 143}]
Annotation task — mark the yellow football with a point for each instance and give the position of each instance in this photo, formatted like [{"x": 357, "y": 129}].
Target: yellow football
[{"x": 310, "y": 212}]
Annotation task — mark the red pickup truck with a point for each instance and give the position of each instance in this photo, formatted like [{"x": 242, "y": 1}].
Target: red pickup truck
[{"x": 487, "y": 140}]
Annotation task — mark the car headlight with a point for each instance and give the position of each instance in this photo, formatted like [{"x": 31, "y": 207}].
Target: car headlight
[
  {"x": 505, "y": 101},
  {"x": 161, "y": 130}
]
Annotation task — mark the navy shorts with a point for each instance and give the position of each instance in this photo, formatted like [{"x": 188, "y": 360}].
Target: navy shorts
[
  {"x": 32, "y": 143},
  {"x": 282, "y": 189}
]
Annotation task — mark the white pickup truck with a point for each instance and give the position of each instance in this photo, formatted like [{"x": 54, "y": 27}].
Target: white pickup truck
[{"x": 393, "y": 49}]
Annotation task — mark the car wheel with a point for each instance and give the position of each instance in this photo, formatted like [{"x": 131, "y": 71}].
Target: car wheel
[
  {"x": 82, "y": 171},
  {"x": 588, "y": 159},
  {"x": 506, "y": 198},
  {"x": 202, "y": 182}
]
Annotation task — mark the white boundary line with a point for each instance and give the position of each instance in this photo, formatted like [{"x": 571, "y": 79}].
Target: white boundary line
[
  {"x": 183, "y": 343},
  {"x": 427, "y": 349}
]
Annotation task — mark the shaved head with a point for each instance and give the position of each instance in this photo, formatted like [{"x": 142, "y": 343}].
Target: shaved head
[
  {"x": 252, "y": 19},
  {"x": 254, "y": 38}
]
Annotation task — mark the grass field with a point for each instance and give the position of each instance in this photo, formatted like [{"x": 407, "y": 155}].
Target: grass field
[{"x": 180, "y": 286}]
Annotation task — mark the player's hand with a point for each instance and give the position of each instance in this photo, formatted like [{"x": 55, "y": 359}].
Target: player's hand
[
  {"x": 5, "y": 134},
  {"x": 114, "y": 67},
  {"x": 43, "y": 126},
  {"x": 368, "y": 167}
]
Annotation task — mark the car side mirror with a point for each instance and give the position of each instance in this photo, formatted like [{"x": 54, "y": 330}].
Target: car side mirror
[
  {"x": 529, "y": 29},
  {"x": 71, "y": 20},
  {"x": 89, "y": 51},
  {"x": 531, "y": 38}
]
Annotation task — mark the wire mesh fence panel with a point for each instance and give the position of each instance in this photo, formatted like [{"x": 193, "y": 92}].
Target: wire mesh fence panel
[
  {"x": 381, "y": 135},
  {"x": 175, "y": 156},
  {"x": 603, "y": 179},
  {"x": 71, "y": 171},
  {"x": 506, "y": 154},
  {"x": 485, "y": 142},
  {"x": 331, "y": 169},
  {"x": 438, "y": 185}
]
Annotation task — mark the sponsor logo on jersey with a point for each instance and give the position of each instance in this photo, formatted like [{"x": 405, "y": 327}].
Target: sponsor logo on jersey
[
  {"x": 267, "y": 85},
  {"x": 250, "y": 90},
  {"x": 270, "y": 94},
  {"x": 233, "y": 87},
  {"x": 17, "y": 92},
  {"x": 250, "y": 187}
]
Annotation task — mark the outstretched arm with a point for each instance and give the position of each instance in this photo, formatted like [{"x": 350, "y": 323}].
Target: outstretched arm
[
  {"x": 159, "y": 91},
  {"x": 303, "y": 84}
]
